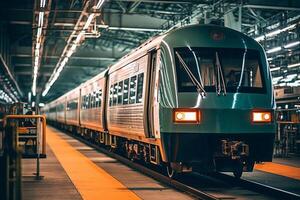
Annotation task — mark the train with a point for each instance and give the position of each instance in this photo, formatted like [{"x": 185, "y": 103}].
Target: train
[{"x": 197, "y": 98}]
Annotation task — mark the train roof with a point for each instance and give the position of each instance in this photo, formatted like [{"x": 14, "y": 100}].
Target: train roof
[{"x": 209, "y": 36}]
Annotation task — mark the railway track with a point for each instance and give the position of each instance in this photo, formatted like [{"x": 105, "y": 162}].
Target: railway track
[{"x": 182, "y": 184}]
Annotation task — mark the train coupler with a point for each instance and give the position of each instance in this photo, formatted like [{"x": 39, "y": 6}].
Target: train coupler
[{"x": 235, "y": 149}]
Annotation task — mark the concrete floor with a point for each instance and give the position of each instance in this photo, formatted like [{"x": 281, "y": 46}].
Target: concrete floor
[{"x": 54, "y": 185}]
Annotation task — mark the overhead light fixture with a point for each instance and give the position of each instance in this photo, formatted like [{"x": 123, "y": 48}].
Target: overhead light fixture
[
  {"x": 70, "y": 49},
  {"x": 274, "y": 69},
  {"x": 289, "y": 77},
  {"x": 41, "y": 19},
  {"x": 39, "y": 32},
  {"x": 42, "y": 3},
  {"x": 293, "y": 65},
  {"x": 273, "y": 50},
  {"x": 69, "y": 54},
  {"x": 292, "y": 44},
  {"x": 88, "y": 21},
  {"x": 269, "y": 59},
  {"x": 99, "y": 4},
  {"x": 274, "y": 33}
]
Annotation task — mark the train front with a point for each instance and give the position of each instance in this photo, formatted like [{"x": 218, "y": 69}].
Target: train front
[{"x": 216, "y": 101}]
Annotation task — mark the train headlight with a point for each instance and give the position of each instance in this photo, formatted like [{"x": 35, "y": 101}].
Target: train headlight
[
  {"x": 186, "y": 115},
  {"x": 264, "y": 116}
]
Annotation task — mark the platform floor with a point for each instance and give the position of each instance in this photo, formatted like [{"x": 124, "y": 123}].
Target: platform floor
[{"x": 74, "y": 171}]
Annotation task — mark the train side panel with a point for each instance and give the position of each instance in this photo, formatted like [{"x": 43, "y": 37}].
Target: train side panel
[{"x": 125, "y": 102}]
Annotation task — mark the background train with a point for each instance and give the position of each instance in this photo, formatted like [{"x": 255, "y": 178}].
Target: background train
[{"x": 196, "y": 98}]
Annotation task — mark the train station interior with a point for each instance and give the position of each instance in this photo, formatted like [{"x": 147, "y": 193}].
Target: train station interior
[{"x": 149, "y": 99}]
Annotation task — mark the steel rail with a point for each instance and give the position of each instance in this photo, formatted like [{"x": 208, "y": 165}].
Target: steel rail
[{"x": 258, "y": 187}]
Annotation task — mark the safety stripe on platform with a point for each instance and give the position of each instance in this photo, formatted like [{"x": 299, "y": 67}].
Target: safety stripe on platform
[
  {"x": 91, "y": 181},
  {"x": 279, "y": 169}
]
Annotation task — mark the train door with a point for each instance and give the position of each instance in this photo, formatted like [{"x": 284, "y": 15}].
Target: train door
[{"x": 151, "y": 85}]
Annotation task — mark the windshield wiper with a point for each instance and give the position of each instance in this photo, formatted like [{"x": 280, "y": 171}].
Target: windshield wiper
[
  {"x": 220, "y": 85},
  {"x": 199, "y": 87},
  {"x": 243, "y": 69}
]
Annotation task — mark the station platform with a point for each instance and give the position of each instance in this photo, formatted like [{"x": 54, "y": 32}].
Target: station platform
[{"x": 74, "y": 171}]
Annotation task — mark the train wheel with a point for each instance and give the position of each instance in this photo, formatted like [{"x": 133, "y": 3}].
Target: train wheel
[{"x": 238, "y": 170}]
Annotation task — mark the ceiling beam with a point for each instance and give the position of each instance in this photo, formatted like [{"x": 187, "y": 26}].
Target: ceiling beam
[{"x": 272, "y": 7}]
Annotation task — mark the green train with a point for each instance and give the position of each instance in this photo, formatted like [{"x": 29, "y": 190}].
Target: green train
[{"x": 198, "y": 98}]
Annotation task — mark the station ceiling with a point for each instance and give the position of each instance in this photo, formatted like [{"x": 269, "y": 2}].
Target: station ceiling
[{"x": 117, "y": 27}]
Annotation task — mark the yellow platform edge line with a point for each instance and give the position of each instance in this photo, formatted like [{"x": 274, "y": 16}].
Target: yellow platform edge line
[
  {"x": 91, "y": 181},
  {"x": 279, "y": 169}
]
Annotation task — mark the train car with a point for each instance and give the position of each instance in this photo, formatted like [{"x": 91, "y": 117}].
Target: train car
[
  {"x": 72, "y": 107},
  {"x": 60, "y": 105},
  {"x": 196, "y": 98},
  {"x": 50, "y": 111},
  {"x": 93, "y": 103}
]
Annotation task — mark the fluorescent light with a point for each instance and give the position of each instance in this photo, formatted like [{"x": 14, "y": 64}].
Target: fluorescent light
[
  {"x": 269, "y": 59},
  {"x": 293, "y": 65},
  {"x": 260, "y": 38},
  {"x": 103, "y": 26},
  {"x": 294, "y": 84},
  {"x": 39, "y": 32},
  {"x": 289, "y": 77},
  {"x": 79, "y": 37},
  {"x": 274, "y": 69},
  {"x": 41, "y": 19},
  {"x": 41, "y": 104},
  {"x": 275, "y": 49},
  {"x": 88, "y": 21},
  {"x": 291, "y": 44},
  {"x": 99, "y": 4},
  {"x": 275, "y": 80},
  {"x": 42, "y": 3},
  {"x": 282, "y": 84},
  {"x": 273, "y": 33},
  {"x": 289, "y": 27},
  {"x": 73, "y": 47},
  {"x": 69, "y": 54}
]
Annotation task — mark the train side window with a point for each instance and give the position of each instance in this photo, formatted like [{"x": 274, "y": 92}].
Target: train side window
[
  {"x": 94, "y": 100},
  {"x": 120, "y": 92},
  {"x": 100, "y": 97},
  {"x": 139, "y": 94},
  {"x": 89, "y": 101},
  {"x": 125, "y": 91},
  {"x": 97, "y": 100},
  {"x": 132, "y": 90},
  {"x": 115, "y": 94},
  {"x": 82, "y": 102},
  {"x": 111, "y": 95},
  {"x": 86, "y": 101}
]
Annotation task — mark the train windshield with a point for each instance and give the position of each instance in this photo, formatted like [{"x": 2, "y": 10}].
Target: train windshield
[{"x": 213, "y": 69}]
